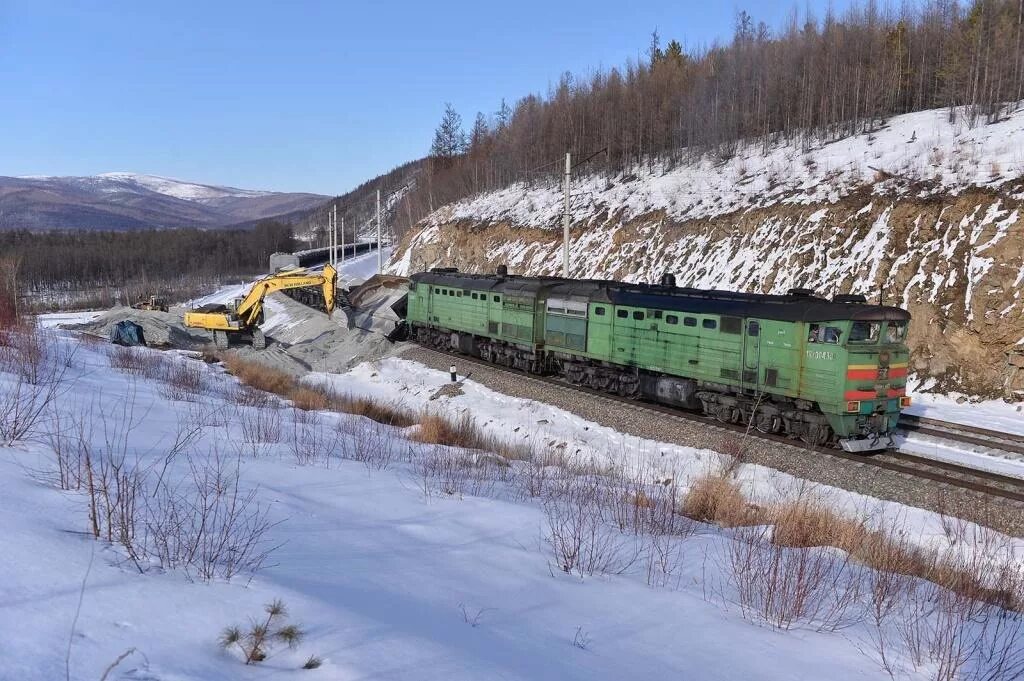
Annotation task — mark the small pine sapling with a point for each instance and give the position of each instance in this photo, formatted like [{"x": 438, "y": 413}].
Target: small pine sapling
[{"x": 255, "y": 642}]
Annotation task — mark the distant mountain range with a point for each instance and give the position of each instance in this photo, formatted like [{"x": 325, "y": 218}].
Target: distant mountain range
[{"x": 125, "y": 201}]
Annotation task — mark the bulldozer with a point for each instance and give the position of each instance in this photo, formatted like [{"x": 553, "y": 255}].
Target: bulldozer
[
  {"x": 241, "y": 320},
  {"x": 151, "y": 303}
]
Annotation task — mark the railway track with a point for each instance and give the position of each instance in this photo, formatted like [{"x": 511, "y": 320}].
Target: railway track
[
  {"x": 1010, "y": 444},
  {"x": 940, "y": 472}
]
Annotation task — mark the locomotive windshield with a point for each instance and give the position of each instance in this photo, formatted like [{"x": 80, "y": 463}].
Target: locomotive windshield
[
  {"x": 865, "y": 332},
  {"x": 895, "y": 332}
]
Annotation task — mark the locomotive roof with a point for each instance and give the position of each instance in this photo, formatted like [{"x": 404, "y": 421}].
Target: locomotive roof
[{"x": 793, "y": 308}]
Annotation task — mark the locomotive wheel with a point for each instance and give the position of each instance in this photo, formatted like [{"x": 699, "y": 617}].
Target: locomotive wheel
[
  {"x": 815, "y": 434},
  {"x": 767, "y": 422}
]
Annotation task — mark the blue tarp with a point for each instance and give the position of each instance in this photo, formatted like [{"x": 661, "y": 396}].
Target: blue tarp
[{"x": 127, "y": 333}]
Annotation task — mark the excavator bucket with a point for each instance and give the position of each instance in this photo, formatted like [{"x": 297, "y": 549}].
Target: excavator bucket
[{"x": 330, "y": 281}]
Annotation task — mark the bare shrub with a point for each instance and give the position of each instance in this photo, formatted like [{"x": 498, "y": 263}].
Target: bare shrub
[
  {"x": 261, "y": 428},
  {"x": 310, "y": 441},
  {"x": 38, "y": 365},
  {"x": 244, "y": 396},
  {"x": 542, "y": 473},
  {"x": 662, "y": 558},
  {"x": 139, "y": 361},
  {"x": 781, "y": 586},
  {"x": 455, "y": 473},
  {"x": 205, "y": 523},
  {"x": 61, "y": 437},
  {"x": 580, "y": 539},
  {"x": 184, "y": 382},
  {"x": 369, "y": 442}
]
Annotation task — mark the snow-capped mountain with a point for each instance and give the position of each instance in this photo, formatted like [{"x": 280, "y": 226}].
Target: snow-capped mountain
[{"x": 124, "y": 200}]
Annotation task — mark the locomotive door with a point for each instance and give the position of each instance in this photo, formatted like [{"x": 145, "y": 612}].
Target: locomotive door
[{"x": 751, "y": 354}]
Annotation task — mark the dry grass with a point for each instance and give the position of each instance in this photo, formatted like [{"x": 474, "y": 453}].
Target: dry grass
[
  {"x": 463, "y": 432},
  {"x": 803, "y": 523},
  {"x": 382, "y": 412},
  {"x": 310, "y": 399},
  {"x": 260, "y": 376},
  {"x": 719, "y": 500}
]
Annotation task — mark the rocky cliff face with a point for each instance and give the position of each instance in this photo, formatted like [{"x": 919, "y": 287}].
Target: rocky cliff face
[{"x": 942, "y": 239}]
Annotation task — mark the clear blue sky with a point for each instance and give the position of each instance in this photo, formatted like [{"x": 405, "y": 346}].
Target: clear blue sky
[{"x": 296, "y": 96}]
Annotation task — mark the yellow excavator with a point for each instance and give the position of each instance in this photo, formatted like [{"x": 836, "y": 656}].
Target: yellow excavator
[{"x": 241, "y": 321}]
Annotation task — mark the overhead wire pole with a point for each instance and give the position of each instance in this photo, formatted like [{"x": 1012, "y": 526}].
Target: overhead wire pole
[
  {"x": 380, "y": 253},
  {"x": 342, "y": 242},
  {"x": 334, "y": 236},
  {"x": 565, "y": 218}
]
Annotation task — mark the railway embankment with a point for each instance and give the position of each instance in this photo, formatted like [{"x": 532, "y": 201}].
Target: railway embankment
[{"x": 638, "y": 420}]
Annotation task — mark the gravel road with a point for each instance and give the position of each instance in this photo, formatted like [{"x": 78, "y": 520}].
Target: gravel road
[{"x": 1001, "y": 514}]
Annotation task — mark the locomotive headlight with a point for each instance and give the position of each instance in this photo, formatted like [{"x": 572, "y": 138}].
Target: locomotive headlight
[
  {"x": 905, "y": 402},
  {"x": 853, "y": 406}
]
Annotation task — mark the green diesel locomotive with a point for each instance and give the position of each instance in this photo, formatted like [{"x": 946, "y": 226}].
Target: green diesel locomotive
[{"x": 825, "y": 371}]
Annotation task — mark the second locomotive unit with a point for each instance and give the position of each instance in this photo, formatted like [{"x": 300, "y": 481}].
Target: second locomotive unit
[{"x": 830, "y": 372}]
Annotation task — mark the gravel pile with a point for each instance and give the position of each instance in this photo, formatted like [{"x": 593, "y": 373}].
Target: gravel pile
[
  {"x": 1001, "y": 514},
  {"x": 160, "y": 328}
]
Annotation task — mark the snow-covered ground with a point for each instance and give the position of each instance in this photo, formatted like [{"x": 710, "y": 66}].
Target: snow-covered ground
[
  {"x": 539, "y": 426},
  {"x": 1005, "y": 417},
  {"x": 387, "y": 581},
  {"x": 55, "y": 319}
]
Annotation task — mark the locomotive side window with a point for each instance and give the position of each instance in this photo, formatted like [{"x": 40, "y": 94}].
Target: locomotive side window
[
  {"x": 657, "y": 314},
  {"x": 621, "y": 314},
  {"x": 709, "y": 324},
  {"x": 753, "y": 329},
  {"x": 895, "y": 332},
  {"x": 671, "y": 319},
  {"x": 497, "y": 299},
  {"x": 732, "y": 325},
  {"x": 638, "y": 315},
  {"x": 865, "y": 332},
  {"x": 814, "y": 334},
  {"x": 473, "y": 296},
  {"x": 832, "y": 335},
  {"x": 599, "y": 311},
  {"x": 689, "y": 321}
]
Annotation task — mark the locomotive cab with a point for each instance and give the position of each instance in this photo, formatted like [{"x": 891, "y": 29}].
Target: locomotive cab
[{"x": 870, "y": 358}]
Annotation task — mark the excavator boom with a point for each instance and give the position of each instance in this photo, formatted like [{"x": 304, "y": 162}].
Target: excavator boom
[{"x": 247, "y": 314}]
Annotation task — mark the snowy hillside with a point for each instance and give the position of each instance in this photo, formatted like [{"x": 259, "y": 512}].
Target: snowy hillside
[
  {"x": 924, "y": 210},
  {"x": 396, "y": 560}
]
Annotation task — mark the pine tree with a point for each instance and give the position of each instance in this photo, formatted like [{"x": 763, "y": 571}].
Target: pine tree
[{"x": 449, "y": 140}]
